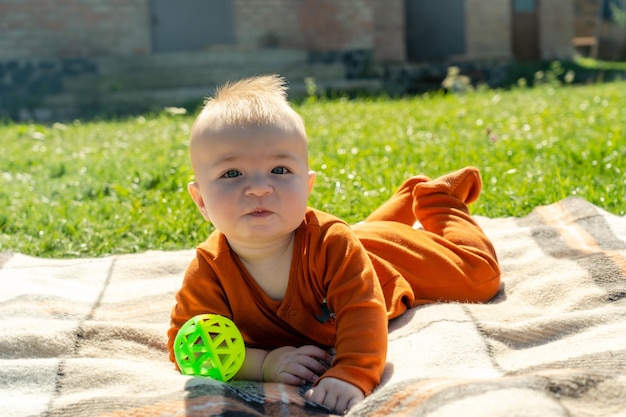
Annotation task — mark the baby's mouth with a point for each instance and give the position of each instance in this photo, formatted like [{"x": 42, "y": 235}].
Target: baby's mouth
[{"x": 260, "y": 212}]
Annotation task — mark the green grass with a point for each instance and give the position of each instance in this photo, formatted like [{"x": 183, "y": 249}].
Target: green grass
[
  {"x": 104, "y": 187},
  {"x": 591, "y": 63}
]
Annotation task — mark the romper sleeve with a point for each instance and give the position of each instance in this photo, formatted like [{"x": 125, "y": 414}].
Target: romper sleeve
[
  {"x": 355, "y": 297},
  {"x": 201, "y": 292}
]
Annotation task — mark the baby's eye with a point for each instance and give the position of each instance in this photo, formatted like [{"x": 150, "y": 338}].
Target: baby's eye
[
  {"x": 280, "y": 170},
  {"x": 231, "y": 173}
]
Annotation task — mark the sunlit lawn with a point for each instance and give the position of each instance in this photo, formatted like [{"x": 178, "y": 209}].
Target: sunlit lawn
[{"x": 103, "y": 187}]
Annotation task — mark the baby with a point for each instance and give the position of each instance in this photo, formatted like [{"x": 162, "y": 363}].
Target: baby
[{"x": 299, "y": 282}]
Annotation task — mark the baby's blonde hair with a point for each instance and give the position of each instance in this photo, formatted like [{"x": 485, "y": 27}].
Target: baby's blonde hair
[{"x": 248, "y": 103}]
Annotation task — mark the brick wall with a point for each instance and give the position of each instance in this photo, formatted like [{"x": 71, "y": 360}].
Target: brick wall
[
  {"x": 267, "y": 23},
  {"x": 316, "y": 25},
  {"x": 488, "y": 29},
  {"x": 556, "y": 28},
  {"x": 66, "y": 28},
  {"x": 389, "y": 30},
  {"x": 78, "y": 28}
]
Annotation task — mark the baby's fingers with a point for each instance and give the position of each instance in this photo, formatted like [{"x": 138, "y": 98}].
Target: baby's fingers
[
  {"x": 305, "y": 370},
  {"x": 313, "y": 365},
  {"x": 291, "y": 379},
  {"x": 336, "y": 394},
  {"x": 314, "y": 352}
]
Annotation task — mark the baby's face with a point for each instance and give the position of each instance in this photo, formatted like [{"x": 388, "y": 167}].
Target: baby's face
[{"x": 253, "y": 184}]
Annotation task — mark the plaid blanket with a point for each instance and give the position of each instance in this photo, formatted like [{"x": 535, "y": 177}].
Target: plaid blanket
[{"x": 86, "y": 337}]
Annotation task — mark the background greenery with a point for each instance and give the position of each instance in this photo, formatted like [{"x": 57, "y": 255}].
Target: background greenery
[{"x": 103, "y": 187}]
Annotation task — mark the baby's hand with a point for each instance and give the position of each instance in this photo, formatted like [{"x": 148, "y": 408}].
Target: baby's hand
[
  {"x": 336, "y": 394},
  {"x": 294, "y": 366}
]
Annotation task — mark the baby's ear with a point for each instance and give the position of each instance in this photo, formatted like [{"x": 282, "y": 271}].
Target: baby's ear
[
  {"x": 312, "y": 176},
  {"x": 194, "y": 190}
]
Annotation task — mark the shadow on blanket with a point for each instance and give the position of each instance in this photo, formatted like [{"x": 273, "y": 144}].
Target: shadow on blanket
[{"x": 86, "y": 337}]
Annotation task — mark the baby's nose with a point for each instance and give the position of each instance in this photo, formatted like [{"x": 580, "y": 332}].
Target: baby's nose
[{"x": 259, "y": 186}]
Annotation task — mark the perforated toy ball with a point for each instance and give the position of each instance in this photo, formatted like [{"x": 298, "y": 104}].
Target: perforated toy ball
[{"x": 209, "y": 345}]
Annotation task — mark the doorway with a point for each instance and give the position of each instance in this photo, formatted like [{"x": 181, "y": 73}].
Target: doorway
[
  {"x": 526, "y": 30},
  {"x": 190, "y": 25},
  {"x": 435, "y": 29}
]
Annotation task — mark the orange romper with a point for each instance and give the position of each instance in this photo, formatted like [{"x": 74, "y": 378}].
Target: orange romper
[{"x": 347, "y": 282}]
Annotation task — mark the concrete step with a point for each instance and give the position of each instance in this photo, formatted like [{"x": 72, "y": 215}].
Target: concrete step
[
  {"x": 66, "y": 106},
  {"x": 196, "y": 75},
  {"x": 135, "y": 84},
  {"x": 229, "y": 58}
]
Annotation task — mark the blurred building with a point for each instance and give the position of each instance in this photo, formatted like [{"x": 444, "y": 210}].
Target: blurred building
[
  {"x": 597, "y": 32},
  {"x": 395, "y": 30},
  {"x": 85, "y": 52}
]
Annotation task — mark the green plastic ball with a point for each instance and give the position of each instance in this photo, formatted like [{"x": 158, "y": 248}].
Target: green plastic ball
[{"x": 209, "y": 345}]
